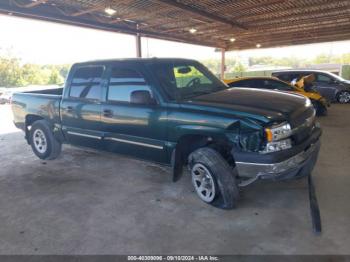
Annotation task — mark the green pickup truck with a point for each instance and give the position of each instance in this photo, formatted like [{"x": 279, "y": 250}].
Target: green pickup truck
[{"x": 175, "y": 112}]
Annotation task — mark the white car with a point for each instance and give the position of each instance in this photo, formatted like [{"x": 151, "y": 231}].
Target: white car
[{"x": 5, "y": 97}]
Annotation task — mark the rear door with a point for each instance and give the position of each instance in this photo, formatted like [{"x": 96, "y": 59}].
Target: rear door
[
  {"x": 132, "y": 128},
  {"x": 326, "y": 85},
  {"x": 81, "y": 106}
]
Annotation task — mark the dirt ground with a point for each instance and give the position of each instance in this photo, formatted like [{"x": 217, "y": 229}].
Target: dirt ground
[{"x": 88, "y": 202}]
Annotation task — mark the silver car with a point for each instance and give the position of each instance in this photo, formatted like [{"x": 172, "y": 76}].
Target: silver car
[{"x": 329, "y": 85}]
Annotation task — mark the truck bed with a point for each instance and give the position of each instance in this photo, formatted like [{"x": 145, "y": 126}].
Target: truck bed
[
  {"x": 52, "y": 91},
  {"x": 40, "y": 103}
]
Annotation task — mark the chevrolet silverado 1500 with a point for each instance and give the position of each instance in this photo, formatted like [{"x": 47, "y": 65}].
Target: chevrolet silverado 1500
[{"x": 175, "y": 112}]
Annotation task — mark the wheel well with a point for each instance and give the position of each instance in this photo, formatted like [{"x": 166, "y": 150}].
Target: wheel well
[
  {"x": 29, "y": 120},
  {"x": 189, "y": 143}
]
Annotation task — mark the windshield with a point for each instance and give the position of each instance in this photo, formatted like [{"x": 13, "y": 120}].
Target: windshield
[{"x": 186, "y": 79}]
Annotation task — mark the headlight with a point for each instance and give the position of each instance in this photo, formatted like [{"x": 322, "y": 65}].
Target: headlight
[
  {"x": 277, "y": 146},
  {"x": 278, "y": 132}
]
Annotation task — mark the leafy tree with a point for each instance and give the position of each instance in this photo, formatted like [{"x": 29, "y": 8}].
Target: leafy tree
[
  {"x": 343, "y": 59},
  {"x": 239, "y": 68},
  {"x": 10, "y": 73},
  {"x": 55, "y": 77},
  {"x": 322, "y": 59},
  {"x": 13, "y": 74}
]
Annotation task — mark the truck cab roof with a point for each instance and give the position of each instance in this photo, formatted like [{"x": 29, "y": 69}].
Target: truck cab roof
[{"x": 136, "y": 60}]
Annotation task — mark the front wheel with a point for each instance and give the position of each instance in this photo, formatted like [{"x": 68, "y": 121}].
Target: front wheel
[
  {"x": 343, "y": 97},
  {"x": 43, "y": 142},
  {"x": 213, "y": 179}
]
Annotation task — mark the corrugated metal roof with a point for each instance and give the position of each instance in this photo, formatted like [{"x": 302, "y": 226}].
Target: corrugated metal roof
[{"x": 270, "y": 23}]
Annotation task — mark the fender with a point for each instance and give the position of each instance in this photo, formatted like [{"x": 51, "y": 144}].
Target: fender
[{"x": 189, "y": 138}]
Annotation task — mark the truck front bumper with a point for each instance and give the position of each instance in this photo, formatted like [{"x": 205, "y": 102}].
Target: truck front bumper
[{"x": 298, "y": 162}]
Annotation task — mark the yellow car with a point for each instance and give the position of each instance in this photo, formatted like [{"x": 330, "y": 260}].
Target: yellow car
[{"x": 272, "y": 83}]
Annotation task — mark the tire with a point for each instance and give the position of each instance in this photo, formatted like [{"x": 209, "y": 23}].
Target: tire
[
  {"x": 343, "y": 97},
  {"x": 42, "y": 141},
  {"x": 219, "y": 177},
  {"x": 321, "y": 110}
]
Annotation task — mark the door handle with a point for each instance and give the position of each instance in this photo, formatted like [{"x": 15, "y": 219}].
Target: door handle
[
  {"x": 107, "y": 113},
  {"x": 69, "y": 109}
]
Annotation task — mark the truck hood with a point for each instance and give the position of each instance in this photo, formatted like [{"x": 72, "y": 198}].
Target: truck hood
[{"x": 259, "y": 104}]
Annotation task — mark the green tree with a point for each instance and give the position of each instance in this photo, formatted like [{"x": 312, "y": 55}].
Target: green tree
[
  {"x": 239, "y": 68},
  {"x": 322, "y": 59},
  {"x": 34, "y": 75},
  {"x": 10, "y": 72},
  {"x": 13, "y": 74},
  {"x": 55, "y": 78}
]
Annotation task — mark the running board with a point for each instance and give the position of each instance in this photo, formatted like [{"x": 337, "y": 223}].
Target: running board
[{"x": 314, "y": 208}]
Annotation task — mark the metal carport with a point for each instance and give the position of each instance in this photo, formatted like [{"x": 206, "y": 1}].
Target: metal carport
[{"x": 225, "y": 24}]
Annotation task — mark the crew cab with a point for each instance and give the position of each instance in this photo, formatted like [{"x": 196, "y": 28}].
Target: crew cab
[{"x": 177, "y": 113}]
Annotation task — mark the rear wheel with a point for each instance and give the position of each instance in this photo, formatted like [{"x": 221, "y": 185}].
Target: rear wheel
[
  {"x": 43, "y": 142},
  {"x": 343, "y": 97},
  {"x": 213, "y": 179}
]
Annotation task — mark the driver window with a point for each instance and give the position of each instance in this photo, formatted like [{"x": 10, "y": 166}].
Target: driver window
[{"x": 186, "y": 76}]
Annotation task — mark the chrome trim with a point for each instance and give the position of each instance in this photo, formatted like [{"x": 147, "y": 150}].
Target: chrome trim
[
  {"x": 133, "y": 142},
  {"x": 84, "y": 135},
  {"x": 248, "y": 169}
]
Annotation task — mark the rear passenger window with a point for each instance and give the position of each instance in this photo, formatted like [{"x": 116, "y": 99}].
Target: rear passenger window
[
  {"x": 323, "y": 78},
  {"x": 123, "y": 82},
  {"x": 86, "y": 83}
]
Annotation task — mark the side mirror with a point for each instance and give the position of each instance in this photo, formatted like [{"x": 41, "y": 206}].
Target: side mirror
[{"x": 142, "y": 97}]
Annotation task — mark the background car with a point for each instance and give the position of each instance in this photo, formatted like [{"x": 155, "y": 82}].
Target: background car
[
  {"x": 319, "y": 102},
  {"x": 329, "y": 85},
  {"x": 5, "y": 97}
]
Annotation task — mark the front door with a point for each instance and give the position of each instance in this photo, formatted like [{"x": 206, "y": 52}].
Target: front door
[
  {"x": 81, "y": 106},
  {"x": 132, "y": 128}
]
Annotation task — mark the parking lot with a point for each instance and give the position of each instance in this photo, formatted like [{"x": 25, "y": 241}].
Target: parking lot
[{"x": 89, "y": 202}]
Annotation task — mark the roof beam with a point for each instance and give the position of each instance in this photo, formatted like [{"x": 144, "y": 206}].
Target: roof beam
[
  {"x": 287, "y": 42},
  {"x": 202, "y": 13},
  {"x": 296, "y": 13},
  {"x": 308, "y": 25},
  {"x": 309, "y": 40},
  {"x": 296, "y": 37}
]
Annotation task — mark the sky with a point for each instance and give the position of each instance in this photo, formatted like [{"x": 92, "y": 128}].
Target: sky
[{"x": 50, "y": 43}]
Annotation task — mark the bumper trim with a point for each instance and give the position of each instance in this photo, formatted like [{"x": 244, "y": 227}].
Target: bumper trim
[{"x": 248, "y": 169}]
